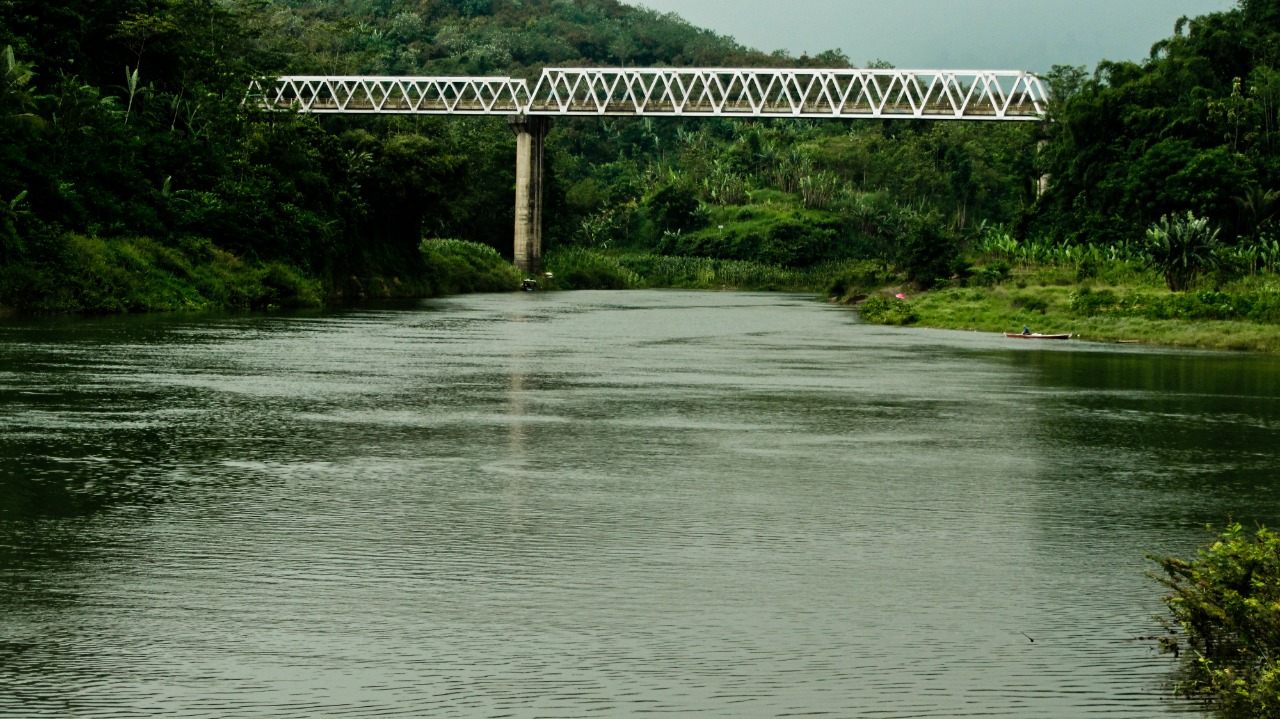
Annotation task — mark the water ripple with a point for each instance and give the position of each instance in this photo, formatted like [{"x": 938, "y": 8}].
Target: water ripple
[{"x": 599, "y": 504}]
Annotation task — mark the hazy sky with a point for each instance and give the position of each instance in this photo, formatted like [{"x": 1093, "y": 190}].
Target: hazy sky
[{"x": 948, "y": 34}]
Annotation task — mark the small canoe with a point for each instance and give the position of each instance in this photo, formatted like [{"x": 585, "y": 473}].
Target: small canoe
[{"x": 1020, "y": 336}]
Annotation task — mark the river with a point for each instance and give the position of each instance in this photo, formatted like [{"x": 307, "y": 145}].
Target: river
[{"x": 603, "y": 504}]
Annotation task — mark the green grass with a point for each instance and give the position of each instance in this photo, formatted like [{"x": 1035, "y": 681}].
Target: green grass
[
  {"x": 91, "y": 275},
  {"x": 577, "y": 268},
  {"x": 455, "y": 267},
  {"x": 137, "y": 274},
  {"x": 1244, "y": 315}
]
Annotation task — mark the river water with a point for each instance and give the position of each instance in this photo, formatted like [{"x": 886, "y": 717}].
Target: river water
[{"x": 603, "y": 504}]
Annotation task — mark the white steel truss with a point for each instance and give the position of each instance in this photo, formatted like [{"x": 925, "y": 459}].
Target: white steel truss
[
  {"x": 714, "y": 92},
  {"x": 413, "y": 95}
]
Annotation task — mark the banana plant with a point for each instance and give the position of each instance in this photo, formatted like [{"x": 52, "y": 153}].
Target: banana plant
[
  {"x": 14, "y": 92},
  {"x": 131, "y": 82},
  {"x": 1180, "y": 248}
]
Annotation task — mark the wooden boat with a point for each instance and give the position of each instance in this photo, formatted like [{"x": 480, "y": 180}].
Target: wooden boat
[{"x": 1020, "y": 336}]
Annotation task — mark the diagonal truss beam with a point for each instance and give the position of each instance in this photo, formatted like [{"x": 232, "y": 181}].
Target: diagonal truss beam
[{"x": 697, "y": 92}]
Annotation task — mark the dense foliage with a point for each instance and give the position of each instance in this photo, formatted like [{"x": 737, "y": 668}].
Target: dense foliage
[
  {"x": 122, "y": 119},
  {"x": 1195, "y": 128},
  {"x": 1225, "y": 608},
  {"x": 121, "y": 123}
]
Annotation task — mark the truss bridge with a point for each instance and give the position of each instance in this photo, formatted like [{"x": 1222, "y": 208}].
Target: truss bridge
[
  {"x": 694, "y": 92},
  {"x": 874, "y": 94}
]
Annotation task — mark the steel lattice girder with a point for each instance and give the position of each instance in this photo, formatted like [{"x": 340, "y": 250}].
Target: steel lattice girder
[
  {"x": 715, "y": 92},
  {"x": 398, "y": 95}
]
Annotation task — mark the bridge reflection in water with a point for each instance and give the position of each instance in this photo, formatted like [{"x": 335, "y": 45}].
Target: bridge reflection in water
[{"x": 871, "y": 94}]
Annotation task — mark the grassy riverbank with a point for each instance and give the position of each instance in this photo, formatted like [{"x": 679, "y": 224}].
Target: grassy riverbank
[
  {"x": 1117, "y": 302},
  {"x": 90, "y": 275},
  {"x": 1121, "y": 305},
  {"x": 576, "y": 268},
  {"x": 1113, "y": 302}
]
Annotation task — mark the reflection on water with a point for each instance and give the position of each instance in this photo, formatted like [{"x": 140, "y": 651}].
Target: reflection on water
[{"x": 600, "y": 504}]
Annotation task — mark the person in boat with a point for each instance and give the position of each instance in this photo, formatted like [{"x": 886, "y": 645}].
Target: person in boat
[
  {"x": 529, "y": 285},
  {"x": 1026, "y": 330}
]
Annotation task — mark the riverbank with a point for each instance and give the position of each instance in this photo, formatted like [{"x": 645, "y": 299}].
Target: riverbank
[
  {"x": 91, "y": 275},
  {"x": 582, "y": 269},
  {"x": 1131, "y": 306},
  {"x": 1118, "y": 303}
]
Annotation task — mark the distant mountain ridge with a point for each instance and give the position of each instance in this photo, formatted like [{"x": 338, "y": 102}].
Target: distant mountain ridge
[{"x": 482, "y": 37}]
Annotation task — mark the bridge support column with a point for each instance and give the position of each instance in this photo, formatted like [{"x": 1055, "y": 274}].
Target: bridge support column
[{"x": 531, "y": 134}]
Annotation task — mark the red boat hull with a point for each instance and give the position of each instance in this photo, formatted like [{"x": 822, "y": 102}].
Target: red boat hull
[{"x": 1020, "y": 336}]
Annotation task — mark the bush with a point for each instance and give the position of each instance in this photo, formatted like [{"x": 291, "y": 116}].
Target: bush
[
  {"x": 1030, "y": 303},
  {"x": 1225, "y": 607},
  {"x": 882, "y": 310},
  {"x": 286, "y": 286},
  {"x": 578, "y": 269},
  {"x": 929, "y": 251},
  {"x": 866, "y": 277},
  {"x": 786, "y": 237},
  {"x": 992, "y": 274},
  {"x": 1088, "y": 303},
  {"x": 675, "y": 208},
  {"x": 460, "y": 267}
]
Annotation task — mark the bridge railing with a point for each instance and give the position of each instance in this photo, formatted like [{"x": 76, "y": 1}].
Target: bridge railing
[{"x": 706, "y": 92}]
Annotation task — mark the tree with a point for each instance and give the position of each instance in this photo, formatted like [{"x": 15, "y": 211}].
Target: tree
[{"x": 1257, "y": 207}]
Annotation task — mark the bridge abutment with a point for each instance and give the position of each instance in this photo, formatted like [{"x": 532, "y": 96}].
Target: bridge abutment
[{"x": 531, "y": 134}]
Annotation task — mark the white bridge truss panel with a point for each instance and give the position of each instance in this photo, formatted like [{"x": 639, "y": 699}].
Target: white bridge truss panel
[
  {"x": 699, "y": 92},
  {"x": 393, "y": 95}
]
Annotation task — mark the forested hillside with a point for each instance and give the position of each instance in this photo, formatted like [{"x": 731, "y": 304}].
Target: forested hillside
[
  {"x": 123, "y": 139},
  {"x": 132, "y": 177}
]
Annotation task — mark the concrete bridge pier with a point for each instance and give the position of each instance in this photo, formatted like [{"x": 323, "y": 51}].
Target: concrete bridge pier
[{"x": 531, "y": 134}]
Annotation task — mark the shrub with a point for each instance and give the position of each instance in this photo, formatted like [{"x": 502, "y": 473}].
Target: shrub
[
  {"x": 1088, "y": 303},
  {"x": 675, "y": 208},
  {"x": 1030, "y": 303},
  {"x": 991, "y": 274},
  {"x": 863, "y": 278},
  {"x": 459, "y": 267},
  {"x": 578, "y": 269},
  {"x": 882, "y": 310},
  {"x": 286, "y": 286},
  {"x": 787, "y": 237},
  {"x": 929, "y": 251},
  {"x": 1225, "y": 607}
]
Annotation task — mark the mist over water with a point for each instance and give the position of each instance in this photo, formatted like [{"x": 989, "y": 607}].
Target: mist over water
[{"x": 602, "y": 504}]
